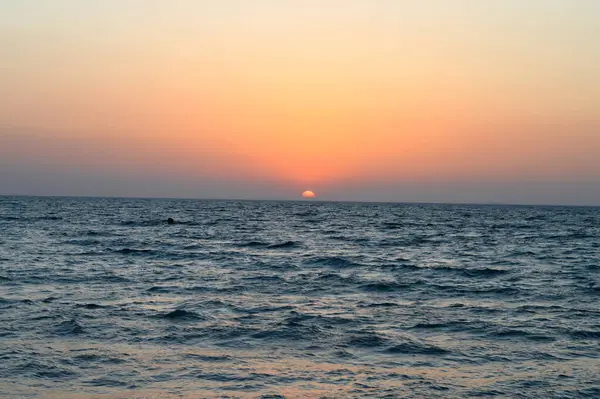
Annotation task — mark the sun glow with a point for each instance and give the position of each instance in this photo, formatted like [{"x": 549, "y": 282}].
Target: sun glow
[
  {"x": 228, "y": 99},
  {"x": 308, "y": 194}
]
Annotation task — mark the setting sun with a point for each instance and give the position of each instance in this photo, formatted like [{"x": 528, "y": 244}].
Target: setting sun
[{"x": 308, "y": 194}]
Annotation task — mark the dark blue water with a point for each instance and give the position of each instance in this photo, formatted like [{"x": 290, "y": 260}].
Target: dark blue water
[{"x": 102, "y": 298}]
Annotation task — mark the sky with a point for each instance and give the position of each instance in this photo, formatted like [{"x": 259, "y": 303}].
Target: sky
[{"x": 492, "y": 101}]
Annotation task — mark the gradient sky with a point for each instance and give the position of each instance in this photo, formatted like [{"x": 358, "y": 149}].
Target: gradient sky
[{"x": 384, "y": 100}]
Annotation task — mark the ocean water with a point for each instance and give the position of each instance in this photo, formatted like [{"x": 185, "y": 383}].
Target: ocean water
[{"x": 101, "y": 298}]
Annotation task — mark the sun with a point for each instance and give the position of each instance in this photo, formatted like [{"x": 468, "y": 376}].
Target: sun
[{"x": 308, "y": 194}]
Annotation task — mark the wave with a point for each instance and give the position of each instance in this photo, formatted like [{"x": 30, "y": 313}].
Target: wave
[
  {"x": 296, "y": 318},
  {"x": 182, "y": 315},
  {"x": 290, "y": 333},
  {"x": 474, "y": 290},
  {"x": 416, "y": 348},
  {"x": 46, "y": 370},
  {"x": 10, "y": 302},
  {"x": 299, "y": 326},
  {"x": 388, "y": 345},
  {"x": 385, "y": 286},
  {"x": 584, "y": 334},
  {"x": 514, "y": 333},
  {"x": 47, "y": 218},
  {"x": 378, "y": 305},
  {"x": 266, "y": 309},
  {"x": 253, "y": 244},
  {"x": 293, "y": 328},
  {"x": 286, "y": 244},
  {"x": 467, "y": 272},
  {"x": 392, "y": 225},
  {"x": 50, "y": 299},
  {"x": 107, "y": 382},
  {"x": 208, "y": 358},
  {"x": 133, "y": 251},
  {"x": 162, "y": 222},
  {"x": 266, "y": 245},
  {"x": 177, "y": 255},
  {"x": 91, "y": 306},
  {"x": 333, "y": 261},
  {"x": 220, "y": 334},
  {"x": 483, "y": 272},
  {"x": 306, "y": 213},
  {"x": 367, "y": 340},
  {"x": 83, "y": 242},
  {"x": 143, "y": 223},
  {"x": 113, "y": 278},
  {"x": 69, "y": 327},
  {"x": 459, "y": 325},
  {"x": 162, "y": 289},
  {"x": 537, "y": 308},
  {"x": 31, "y": 218},
  {"x": 272, "y": 279},
  {"x": 572, "y": 236},
  {"x": 94, "y": 233}
]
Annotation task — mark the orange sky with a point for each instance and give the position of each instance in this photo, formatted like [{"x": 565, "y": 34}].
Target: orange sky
[{"x": 303, "y": 94}]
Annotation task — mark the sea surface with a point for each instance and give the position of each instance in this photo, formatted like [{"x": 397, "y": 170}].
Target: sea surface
[{"x": 101, "y": 298}]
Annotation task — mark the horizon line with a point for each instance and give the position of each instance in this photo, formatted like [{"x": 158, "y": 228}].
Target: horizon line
[{"x": 504, "y": 204}]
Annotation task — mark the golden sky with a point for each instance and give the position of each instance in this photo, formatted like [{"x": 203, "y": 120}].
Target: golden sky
[{"x": 301, "y": 94}]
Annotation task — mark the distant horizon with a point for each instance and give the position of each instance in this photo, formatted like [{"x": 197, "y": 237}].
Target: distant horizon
[{"x": 304, "y": 200}]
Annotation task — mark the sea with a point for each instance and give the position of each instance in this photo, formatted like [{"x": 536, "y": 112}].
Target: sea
[{"x": 102, "y": 298}]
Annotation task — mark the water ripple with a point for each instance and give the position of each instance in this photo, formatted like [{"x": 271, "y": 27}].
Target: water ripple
[{"x": 255, "y": 299}]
